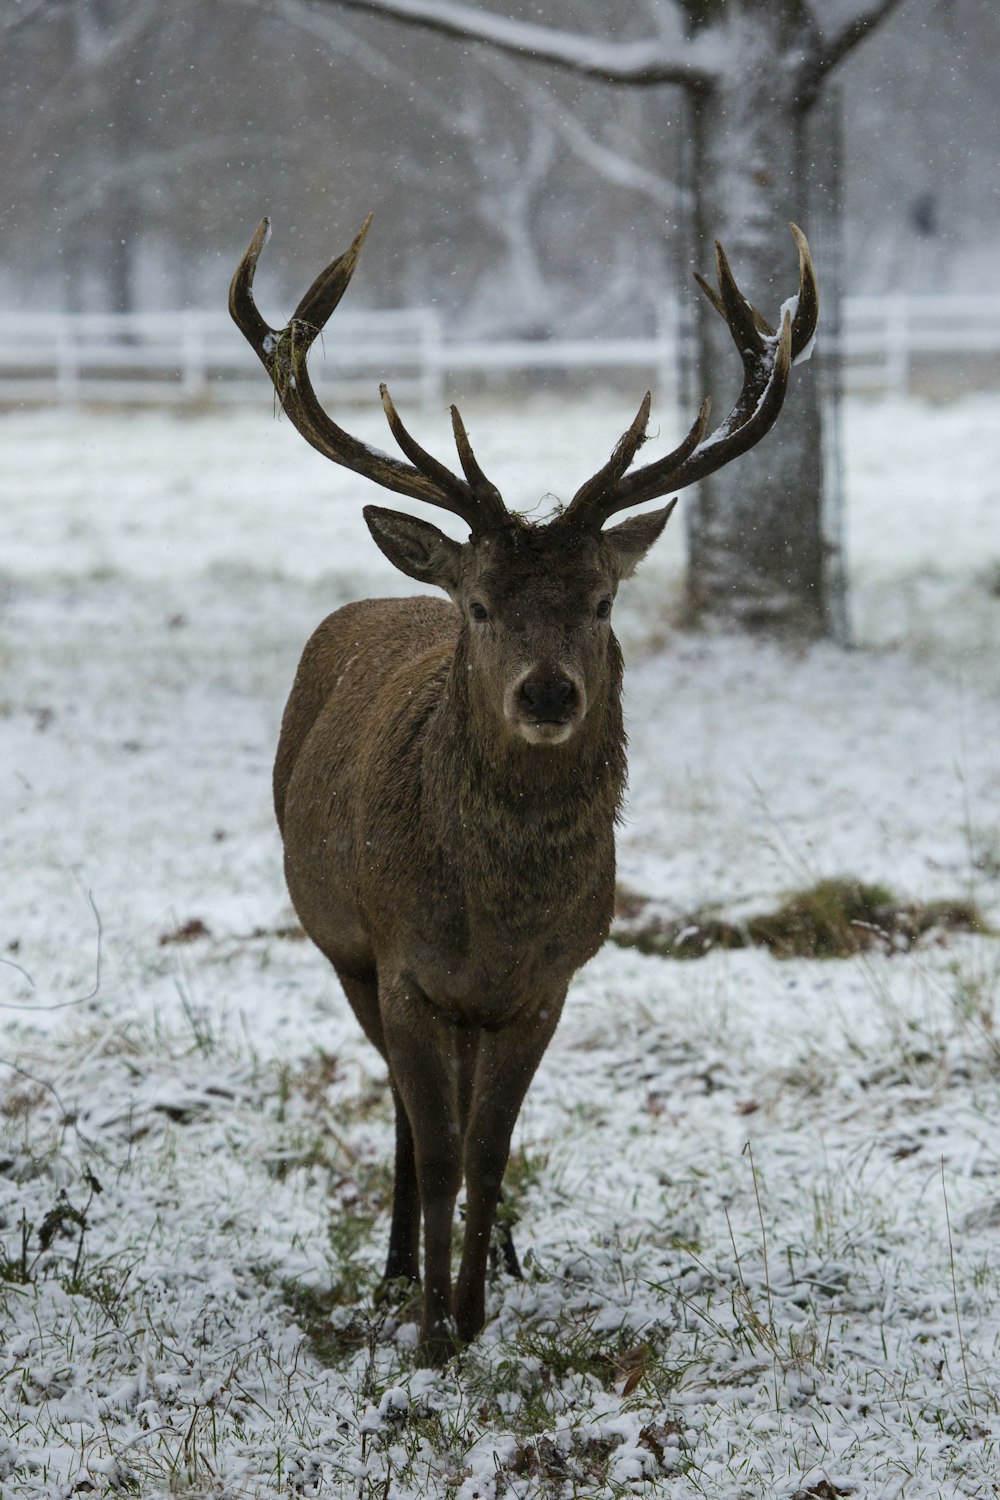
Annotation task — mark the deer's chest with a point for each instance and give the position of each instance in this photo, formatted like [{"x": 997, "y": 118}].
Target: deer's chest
[{"x": 482, "y": 948}]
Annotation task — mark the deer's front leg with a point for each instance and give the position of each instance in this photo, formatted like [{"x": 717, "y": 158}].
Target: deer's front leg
[
  {"x": 421, "y": 1050},
  {"x": 505, "y": 1066}
]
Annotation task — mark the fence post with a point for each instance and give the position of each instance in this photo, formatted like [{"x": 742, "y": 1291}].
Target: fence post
[
  {"x": 193, "y": 374},
  {"x": 431, "y": 360},
  {"x": 897, "y": 344},
  {"x": 67, "y": 361}
]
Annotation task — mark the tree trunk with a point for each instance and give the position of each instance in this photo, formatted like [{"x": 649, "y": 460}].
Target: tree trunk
[{"x": 757, "y": 555}]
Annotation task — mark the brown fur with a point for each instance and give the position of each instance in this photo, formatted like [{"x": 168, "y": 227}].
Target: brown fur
[{"x": 455, "y": 868}]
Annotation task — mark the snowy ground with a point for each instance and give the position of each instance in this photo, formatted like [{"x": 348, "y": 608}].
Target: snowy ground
[{"x": 759, "y": 1199}]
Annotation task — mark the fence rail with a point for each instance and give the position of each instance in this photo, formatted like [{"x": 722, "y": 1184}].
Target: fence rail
[
  {"x": 900, "y": 342},
  {"x": 885, "y": 344}
]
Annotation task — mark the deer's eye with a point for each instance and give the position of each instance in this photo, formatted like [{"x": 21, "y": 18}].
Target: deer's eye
[
  {"x": 479, "y": 611},
  {"x": 604, "y": 609}
]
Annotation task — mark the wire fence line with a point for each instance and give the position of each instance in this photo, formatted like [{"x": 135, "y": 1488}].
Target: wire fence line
[{"x": 890, "y": 344}]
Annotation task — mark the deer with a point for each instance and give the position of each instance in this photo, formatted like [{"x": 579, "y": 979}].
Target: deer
[{"x": 450, "y": 771}]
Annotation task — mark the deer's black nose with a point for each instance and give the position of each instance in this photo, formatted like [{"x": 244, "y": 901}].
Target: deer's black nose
[{"x": 548, "y": 700}]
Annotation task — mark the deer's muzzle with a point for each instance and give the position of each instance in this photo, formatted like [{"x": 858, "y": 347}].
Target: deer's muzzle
[{"x": 544, "y": 707}]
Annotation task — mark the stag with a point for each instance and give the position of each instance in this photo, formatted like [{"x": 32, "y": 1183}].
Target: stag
[{"x": 449, "y": 774}]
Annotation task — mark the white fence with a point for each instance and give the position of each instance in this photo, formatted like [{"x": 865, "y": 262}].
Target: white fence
[
  {"x": 934, "y": 343},
  {"x": 192, "y": 357},
  {"x": 189, "y": 358}
]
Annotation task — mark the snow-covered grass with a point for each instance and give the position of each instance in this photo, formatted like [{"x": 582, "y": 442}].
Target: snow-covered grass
[{"x": 759, "y": 1199}]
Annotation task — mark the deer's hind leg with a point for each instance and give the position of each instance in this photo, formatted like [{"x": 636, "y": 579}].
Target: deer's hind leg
[{"x": 403, "y": 1259}]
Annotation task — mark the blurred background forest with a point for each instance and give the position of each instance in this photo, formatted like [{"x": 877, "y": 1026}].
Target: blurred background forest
[{"x": 142, "y": 140}]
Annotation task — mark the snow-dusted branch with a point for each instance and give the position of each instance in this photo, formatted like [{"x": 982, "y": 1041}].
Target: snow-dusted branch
[
  {"x": 691, "y": 62},
  {"x": 26, "y": 11},
  {"x": 141, "y": 167},
  {"x": 610, "y": 164},
  {"x": 335, "y": 32},
  {"x": 836, "y": 47}
]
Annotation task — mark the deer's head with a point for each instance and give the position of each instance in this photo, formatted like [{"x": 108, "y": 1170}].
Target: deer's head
[
  {"x": 535, "y": 599},
  {"x": 535, "y": 603}
]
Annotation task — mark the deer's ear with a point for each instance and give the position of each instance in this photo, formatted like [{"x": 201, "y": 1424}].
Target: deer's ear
[
  {"x": 628, "y": 543},
  {"x": 415, "y": 547}
]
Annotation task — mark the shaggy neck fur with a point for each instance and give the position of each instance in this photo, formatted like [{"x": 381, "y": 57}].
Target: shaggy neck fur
[{"x": 506, "y": 811}]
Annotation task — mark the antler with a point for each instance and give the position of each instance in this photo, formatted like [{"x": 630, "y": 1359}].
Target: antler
[
  {"x": 767, "y": 357},
  {"x": 283, "y": 354}
]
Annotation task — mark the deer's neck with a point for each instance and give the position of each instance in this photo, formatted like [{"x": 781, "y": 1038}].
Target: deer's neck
[{"x": 515, "y": 808}]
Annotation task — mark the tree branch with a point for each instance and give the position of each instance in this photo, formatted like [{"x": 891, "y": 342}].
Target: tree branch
[
  {"x": 836, "y": 47},
  {"x": 693, "y": 63},
  {"x": 93, "y": 191},
  {"x": 601, "y": 158},
  {"x": 29, "y": 11}
]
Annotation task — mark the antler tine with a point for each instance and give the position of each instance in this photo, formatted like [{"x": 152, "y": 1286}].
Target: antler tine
[
  {"x": 242, "y": 308},
  {"x": 740, "y": 317},
  {"x": 589, "y": 497},
  {"x": 479, "y": 509},
  {"x": 767, "y": 359},
  {"x": 587, "y": 504},
  {"x": 330, "y": 285},
  {"x": 807, "y": 310},
  {"x": 716, "y": 301},
  {"x": 314, "y": 309},
  {"x": 284, "y": 353},
  {"x": 598, "y": 498},
  {"x": 480, "y": 485},
  {"x": 752, "y": 417}
]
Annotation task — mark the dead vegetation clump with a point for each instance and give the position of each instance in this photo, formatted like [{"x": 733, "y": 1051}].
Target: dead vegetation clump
[
  {"x": 194, "y": 929},
  {"x": 835, "y": 918}
]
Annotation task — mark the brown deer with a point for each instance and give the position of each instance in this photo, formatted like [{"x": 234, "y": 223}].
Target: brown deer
[{"x": 449, "y": 775}]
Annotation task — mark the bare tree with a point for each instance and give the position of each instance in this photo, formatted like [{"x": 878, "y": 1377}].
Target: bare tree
[
  {"x": 751, "y": 69},
  {"x": 439, "y": 171}
]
